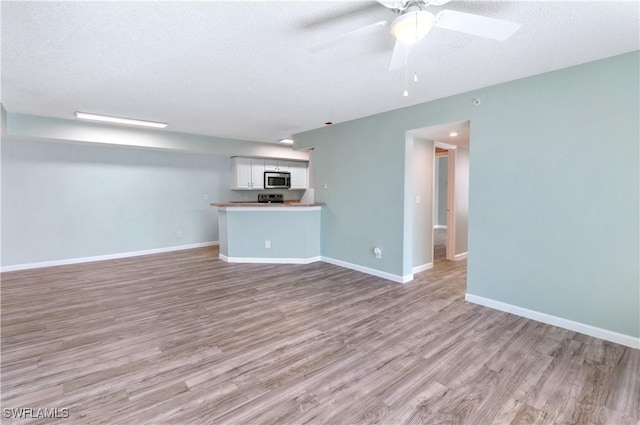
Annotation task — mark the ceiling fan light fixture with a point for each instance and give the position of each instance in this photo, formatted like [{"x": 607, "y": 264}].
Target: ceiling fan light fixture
[{"x": 412, "y": 26}]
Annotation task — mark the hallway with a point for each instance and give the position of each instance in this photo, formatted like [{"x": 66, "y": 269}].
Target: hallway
[{"x": 439, "y": 245}]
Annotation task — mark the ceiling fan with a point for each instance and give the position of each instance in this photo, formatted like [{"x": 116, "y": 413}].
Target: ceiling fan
[{"x": 415, "y": 22}]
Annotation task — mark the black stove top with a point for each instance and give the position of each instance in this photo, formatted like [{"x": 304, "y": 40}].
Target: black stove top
[{"x": 270, "y": 198}]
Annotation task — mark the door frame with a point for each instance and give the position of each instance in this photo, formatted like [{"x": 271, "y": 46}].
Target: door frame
[{"x": 451, "y": 207}]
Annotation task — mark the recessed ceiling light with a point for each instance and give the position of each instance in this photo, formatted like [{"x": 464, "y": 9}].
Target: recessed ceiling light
[
  {"x": 453, "y": 134},
  {"x": 286, "y": 141},
  {"x": 118, "y": 120},
  {"x": 328, "y": 123}
]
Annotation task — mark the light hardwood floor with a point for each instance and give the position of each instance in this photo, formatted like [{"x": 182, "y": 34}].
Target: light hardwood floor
[
  {"x": 183, "y": 338},
  {"x": 439, "y": 244}
]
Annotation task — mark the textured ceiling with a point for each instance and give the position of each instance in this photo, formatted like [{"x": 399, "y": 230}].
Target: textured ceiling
[{"x": 241, "y": 70}]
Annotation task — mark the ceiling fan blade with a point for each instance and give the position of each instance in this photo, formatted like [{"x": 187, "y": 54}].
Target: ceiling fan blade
[
  {"x": 482, "y": 26},
  {"x": 339, "y": 39},
  {"x": 394, "y": 4},
  {"x": 399, "y": 56}
]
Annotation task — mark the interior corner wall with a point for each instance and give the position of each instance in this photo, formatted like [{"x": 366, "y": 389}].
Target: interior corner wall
[
  {"x": 423, "y": 184},
  {"x": 553, "y": 199},
  {"x": 353, "y": 179},
  {"x": 65, "y": 201}
]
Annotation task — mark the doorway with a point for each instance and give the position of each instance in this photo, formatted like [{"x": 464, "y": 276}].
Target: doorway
[{"x": 439, "y": 198}]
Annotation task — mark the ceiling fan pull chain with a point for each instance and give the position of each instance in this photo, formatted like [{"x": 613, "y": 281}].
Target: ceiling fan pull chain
[
  {"x": 406, "y": 92},
  {"x": 415, "y": 73},
  {"x": 406, "y": 66},
  {"x": 406, "y": 71},
  {"x": 415, "y": 69}
]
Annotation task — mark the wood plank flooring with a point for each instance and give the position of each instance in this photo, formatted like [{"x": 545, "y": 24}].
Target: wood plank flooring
[{"x": 183, "y": 338}]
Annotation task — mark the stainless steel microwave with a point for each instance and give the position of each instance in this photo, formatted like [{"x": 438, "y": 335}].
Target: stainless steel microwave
[{"x": 277, "y": 180}]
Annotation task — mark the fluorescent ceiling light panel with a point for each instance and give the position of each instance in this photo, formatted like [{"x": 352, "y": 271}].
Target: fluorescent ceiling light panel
[
  {"x": 118, "y": 120},
  {"x": 453, "y": 134}
]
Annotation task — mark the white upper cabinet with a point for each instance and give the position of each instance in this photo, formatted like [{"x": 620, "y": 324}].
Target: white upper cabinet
[
  {"x": 270, "y": 165},
  {"x": 241, "y": 173},
  {"x": 257, "y": 174},
  {"x": 247, "y": 173},
  {"x": 276, "y": 165},
  {"x": 299, "y": 175}
]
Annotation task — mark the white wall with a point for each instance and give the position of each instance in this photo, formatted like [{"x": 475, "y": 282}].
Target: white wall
[
  {"x": 461, "y": 194},
  {"x": 422, "y": 210},
  {"x": 440, "y": 197}
]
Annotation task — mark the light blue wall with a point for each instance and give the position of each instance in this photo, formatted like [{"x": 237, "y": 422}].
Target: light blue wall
[
  {"x": 293, "y": 234},
  {"x": 72, "y": 189},
  {"x": 554, "y": 190},
  {"x": 358, "y": 173},
  {"x": 64, "y": 201}
]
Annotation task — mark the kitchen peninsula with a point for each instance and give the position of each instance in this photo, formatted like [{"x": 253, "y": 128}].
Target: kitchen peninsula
[{"x": 252, "y": 232}]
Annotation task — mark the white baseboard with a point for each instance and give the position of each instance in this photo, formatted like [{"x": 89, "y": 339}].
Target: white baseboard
[
  {"x": 439, "y": 226},
  {"x": 269, "y": 260},
  {"x": 418, "y": 269},
  {"x": 560, "y": 322},
  {"x": 374, "y": 272},
  {"x": 105, "y": 257},
  {"x": 460, "y": 256}
]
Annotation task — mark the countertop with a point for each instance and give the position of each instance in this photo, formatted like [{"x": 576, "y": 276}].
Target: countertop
[{"x": 264, "y": 205}]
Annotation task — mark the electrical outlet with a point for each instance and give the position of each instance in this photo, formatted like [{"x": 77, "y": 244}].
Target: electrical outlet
[
  {"x": 378, "y": 252},
  {"x": 179, "y": 234},
  {"x": 325, "y": 185},
  {"x": 267, "y": 244},
  {"x": 417, "y": 199},
  {"x": 205, "y": 197}
]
